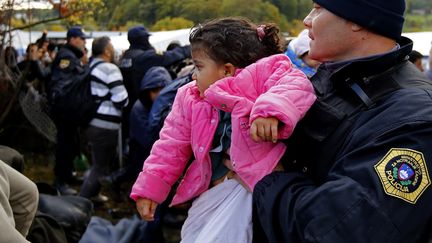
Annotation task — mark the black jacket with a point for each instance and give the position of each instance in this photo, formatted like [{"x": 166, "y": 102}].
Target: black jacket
[
  {"x": 67, "y": 66},
  {"x": 358, "y": 164}
]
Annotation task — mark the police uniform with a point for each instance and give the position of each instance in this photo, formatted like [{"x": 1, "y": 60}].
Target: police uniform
[
  {"x": 359, "y": 164},
  {"x": 66, "y": 67}
]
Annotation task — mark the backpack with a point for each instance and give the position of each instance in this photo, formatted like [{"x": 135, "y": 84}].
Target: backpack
[{"x": 73, "y": 102}]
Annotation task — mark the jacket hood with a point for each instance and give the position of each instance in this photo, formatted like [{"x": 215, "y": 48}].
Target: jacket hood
[{"x": 155, "y": 77}]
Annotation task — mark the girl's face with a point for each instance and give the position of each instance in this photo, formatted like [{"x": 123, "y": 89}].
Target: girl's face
[{"x": 206, "y": 71}]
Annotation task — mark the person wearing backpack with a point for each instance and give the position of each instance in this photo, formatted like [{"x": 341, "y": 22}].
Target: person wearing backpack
[
  {"x": 66, "y": 68},
  {"x": 138, "y": 59},
  {"x": 102, "y": 133}
]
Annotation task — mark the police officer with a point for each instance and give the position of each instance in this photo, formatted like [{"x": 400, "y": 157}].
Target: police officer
[
  {"x": 66, "y": 67},
  {"x": 358, "y": 166},
  {"x": 429, "y": 71},
  {"x": 139, "y": 58}
]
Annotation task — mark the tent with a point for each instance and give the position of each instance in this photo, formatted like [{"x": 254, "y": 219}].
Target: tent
[
  {"x": 160, "y": 39},
  {"x": 422, "y": 41}
]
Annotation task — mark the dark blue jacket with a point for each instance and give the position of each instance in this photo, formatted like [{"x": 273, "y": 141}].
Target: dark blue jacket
[
  {"x": 162, "y": 106},
  {"x": 66, "y": 67},
  {"x": 136, "y": 62},
  {"x": 156, "y": 77},
  {"x": 146, "y": 123},
  {"x": 358, "y": 165}
]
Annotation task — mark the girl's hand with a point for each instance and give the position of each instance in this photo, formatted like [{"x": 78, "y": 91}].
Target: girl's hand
[
  {"x": 146, "y": 208},
  {"x": 264, "y": 129}
]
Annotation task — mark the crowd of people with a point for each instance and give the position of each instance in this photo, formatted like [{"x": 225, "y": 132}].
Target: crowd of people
[{"x": 323, "y": 139}]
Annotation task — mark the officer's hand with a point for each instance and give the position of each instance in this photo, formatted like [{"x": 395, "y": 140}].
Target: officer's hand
[
  {"x": 146, "y": 208},
  {"x": 264, "y": 129}
]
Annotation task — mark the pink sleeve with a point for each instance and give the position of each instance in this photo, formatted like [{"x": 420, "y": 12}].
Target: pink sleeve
[
  {"x": 287, "y": 94},
  {"x": 169, "y": 155}
]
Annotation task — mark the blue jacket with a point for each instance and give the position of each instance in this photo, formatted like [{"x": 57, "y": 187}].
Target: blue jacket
[
  {"x": 358, "y": 165},
  {"x": 299, "y": 63},
  {"x": 150, "y": 121},
  {"x": 136, "y": 62}
]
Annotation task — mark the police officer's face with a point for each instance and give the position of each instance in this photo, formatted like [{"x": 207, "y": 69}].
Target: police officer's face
[
  {"x": 78, "y": 42},
  {"x": 206, "y": 71},
  {"x": 330, "y": 35}
]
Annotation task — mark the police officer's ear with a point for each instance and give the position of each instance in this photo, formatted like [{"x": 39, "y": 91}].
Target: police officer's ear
[
  {"x": 355, "y": 27},
  {"x": 107, "y": 52}
]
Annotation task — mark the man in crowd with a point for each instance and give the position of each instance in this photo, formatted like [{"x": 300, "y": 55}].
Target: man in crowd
[
  {"x": 416, "y": 58},
  {"x": 138, "y": 59},
  {"x": 65, "y": 68},
  {"x": 357, "y": 168},
  {"x": 102, "y": 133},
  {"x": 429, "y": 71}
]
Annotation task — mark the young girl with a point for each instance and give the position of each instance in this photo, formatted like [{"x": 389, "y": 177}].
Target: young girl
[{"x": 228, "y": 121}]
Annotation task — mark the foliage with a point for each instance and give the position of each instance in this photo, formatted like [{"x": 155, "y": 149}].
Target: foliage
[
  {"x": 200, "y": 10},
  {"x": 425, "y": 5},
  {"x": 288, "y": 7},
  {"x": 414, "y": 23},
  {"x": 116, "y": 14},
  {"x": 56, "y": 27},
  {"x": 172, "y": 24},
  {"x": 75, "y": 10},
  {"x": 160, "y": 14},
  {"x": 295, "y": 27}
]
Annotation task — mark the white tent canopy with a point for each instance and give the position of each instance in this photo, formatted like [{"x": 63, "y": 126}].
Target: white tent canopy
[
  {"x": 422, "y": 41},
  {"x": 159, "y": 40}
]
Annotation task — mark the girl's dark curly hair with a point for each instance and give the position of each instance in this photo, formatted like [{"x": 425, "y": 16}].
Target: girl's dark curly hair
[{"x": 235, "y": 40}]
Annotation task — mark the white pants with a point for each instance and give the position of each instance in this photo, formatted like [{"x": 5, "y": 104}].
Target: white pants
[{"x": 223, "y": 214}]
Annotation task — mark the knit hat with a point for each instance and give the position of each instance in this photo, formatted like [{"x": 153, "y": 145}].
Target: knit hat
[
  {"x": 381, "y": 16},
  {"x": 137, "y": 34}
]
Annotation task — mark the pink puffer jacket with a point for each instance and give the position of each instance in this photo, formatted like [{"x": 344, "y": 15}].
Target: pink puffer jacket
[{"x": 271, "y": 87}]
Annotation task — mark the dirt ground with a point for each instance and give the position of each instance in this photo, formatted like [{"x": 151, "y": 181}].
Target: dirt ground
[
  {"x": 39, "y": 168},
  {"x": 38, "y": 153}
]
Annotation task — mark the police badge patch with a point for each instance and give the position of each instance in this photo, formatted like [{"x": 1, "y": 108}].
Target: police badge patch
[
  {"x": 403, "y": 174},
  {"x": 64, "y": 63}
]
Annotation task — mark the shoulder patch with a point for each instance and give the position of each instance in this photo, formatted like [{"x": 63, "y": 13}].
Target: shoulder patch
[
  {"x": 403, "y": 174},
  {"x": 64, "y": 63}
]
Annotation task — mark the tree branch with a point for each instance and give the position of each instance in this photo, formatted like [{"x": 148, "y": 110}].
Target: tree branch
[{"x": 43, "y": 21}]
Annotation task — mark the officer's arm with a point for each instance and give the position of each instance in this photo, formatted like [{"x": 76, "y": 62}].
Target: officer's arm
[
  {"x": 356, "y": 203},
  {"x": 175, "y": 55}
]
